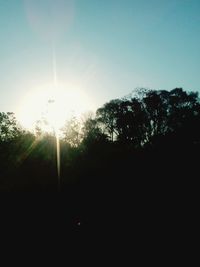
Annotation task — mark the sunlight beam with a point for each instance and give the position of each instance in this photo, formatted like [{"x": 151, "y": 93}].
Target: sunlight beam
[
  {"x": 55, "y": 79},
  {"x": 55, "y": 82},
  {"x": 58, "y": 161}
]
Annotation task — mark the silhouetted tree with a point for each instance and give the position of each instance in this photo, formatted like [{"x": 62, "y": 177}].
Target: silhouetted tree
[
  {"x": 92, "y": 132},
  {"x": 131, "y": 122},
  {"x": 107, "y": 118},
  {"x": 139, "y": 120},
  {"x": 126, "y": 136}
]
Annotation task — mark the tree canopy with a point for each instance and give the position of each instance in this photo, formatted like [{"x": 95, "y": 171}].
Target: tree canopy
[
  {"x": 136, "y": 157},
  {"x": 8, "y": 126},
  {"x": 100, "y": 145},
  {"x": 138, "y": 120}
]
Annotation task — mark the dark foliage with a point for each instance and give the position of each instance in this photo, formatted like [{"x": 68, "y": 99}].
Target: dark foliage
[{"x": 132, "y": 168}]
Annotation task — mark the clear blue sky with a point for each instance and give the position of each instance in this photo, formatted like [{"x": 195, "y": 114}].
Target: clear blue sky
[{"x": 107, "y": 47}]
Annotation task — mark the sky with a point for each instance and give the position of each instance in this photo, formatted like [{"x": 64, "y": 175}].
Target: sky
[{"x": 106, "y": 48}]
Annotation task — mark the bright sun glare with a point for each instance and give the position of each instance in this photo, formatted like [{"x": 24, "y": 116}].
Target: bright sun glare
[{"x": 53, "y": 104}]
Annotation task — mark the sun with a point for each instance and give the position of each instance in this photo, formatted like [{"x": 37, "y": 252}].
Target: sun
[{"x": 54, "y": 105}]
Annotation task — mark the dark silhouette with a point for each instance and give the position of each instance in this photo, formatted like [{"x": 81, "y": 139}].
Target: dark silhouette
[{"x": 134, "y": 163}]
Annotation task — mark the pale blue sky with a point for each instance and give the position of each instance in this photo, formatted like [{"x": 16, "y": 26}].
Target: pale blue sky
[{"x": 105, "y": 47}]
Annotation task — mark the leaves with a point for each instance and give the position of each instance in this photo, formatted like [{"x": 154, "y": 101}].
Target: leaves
[{"x": 8, "y": 126}]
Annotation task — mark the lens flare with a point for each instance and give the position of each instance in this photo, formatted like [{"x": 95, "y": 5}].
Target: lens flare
[{"x": 58, "y": 161}]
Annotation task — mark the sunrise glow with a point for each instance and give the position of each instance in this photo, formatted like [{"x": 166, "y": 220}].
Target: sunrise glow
[{"x": 52, "y": 105}]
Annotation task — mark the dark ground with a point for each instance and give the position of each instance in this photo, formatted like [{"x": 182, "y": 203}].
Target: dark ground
[{"x": 147, "y": 200}]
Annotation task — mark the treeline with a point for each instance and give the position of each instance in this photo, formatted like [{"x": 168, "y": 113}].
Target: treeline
[
  {"x": 131, "y": 168},
  {"x": 135, "y": 130}
]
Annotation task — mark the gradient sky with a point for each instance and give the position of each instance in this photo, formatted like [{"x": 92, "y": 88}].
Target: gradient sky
[{"x": 105, "y": 47}]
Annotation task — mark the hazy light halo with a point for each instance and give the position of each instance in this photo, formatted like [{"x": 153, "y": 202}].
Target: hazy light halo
[{"x": 53, "y": 104}]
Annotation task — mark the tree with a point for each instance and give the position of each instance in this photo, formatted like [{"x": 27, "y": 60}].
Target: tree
[
  {"x": 153, "y": 113},
  {"x": 156, "y": 107},
  {"x": 8, "y": 126},
  {"x": 124, "y": 120},
  {"x": 92, "y": 133},
  {"x": 107, "y": 118},
  {"x": 131, "y": 122},
  {"x": 72, "y": 132}
]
